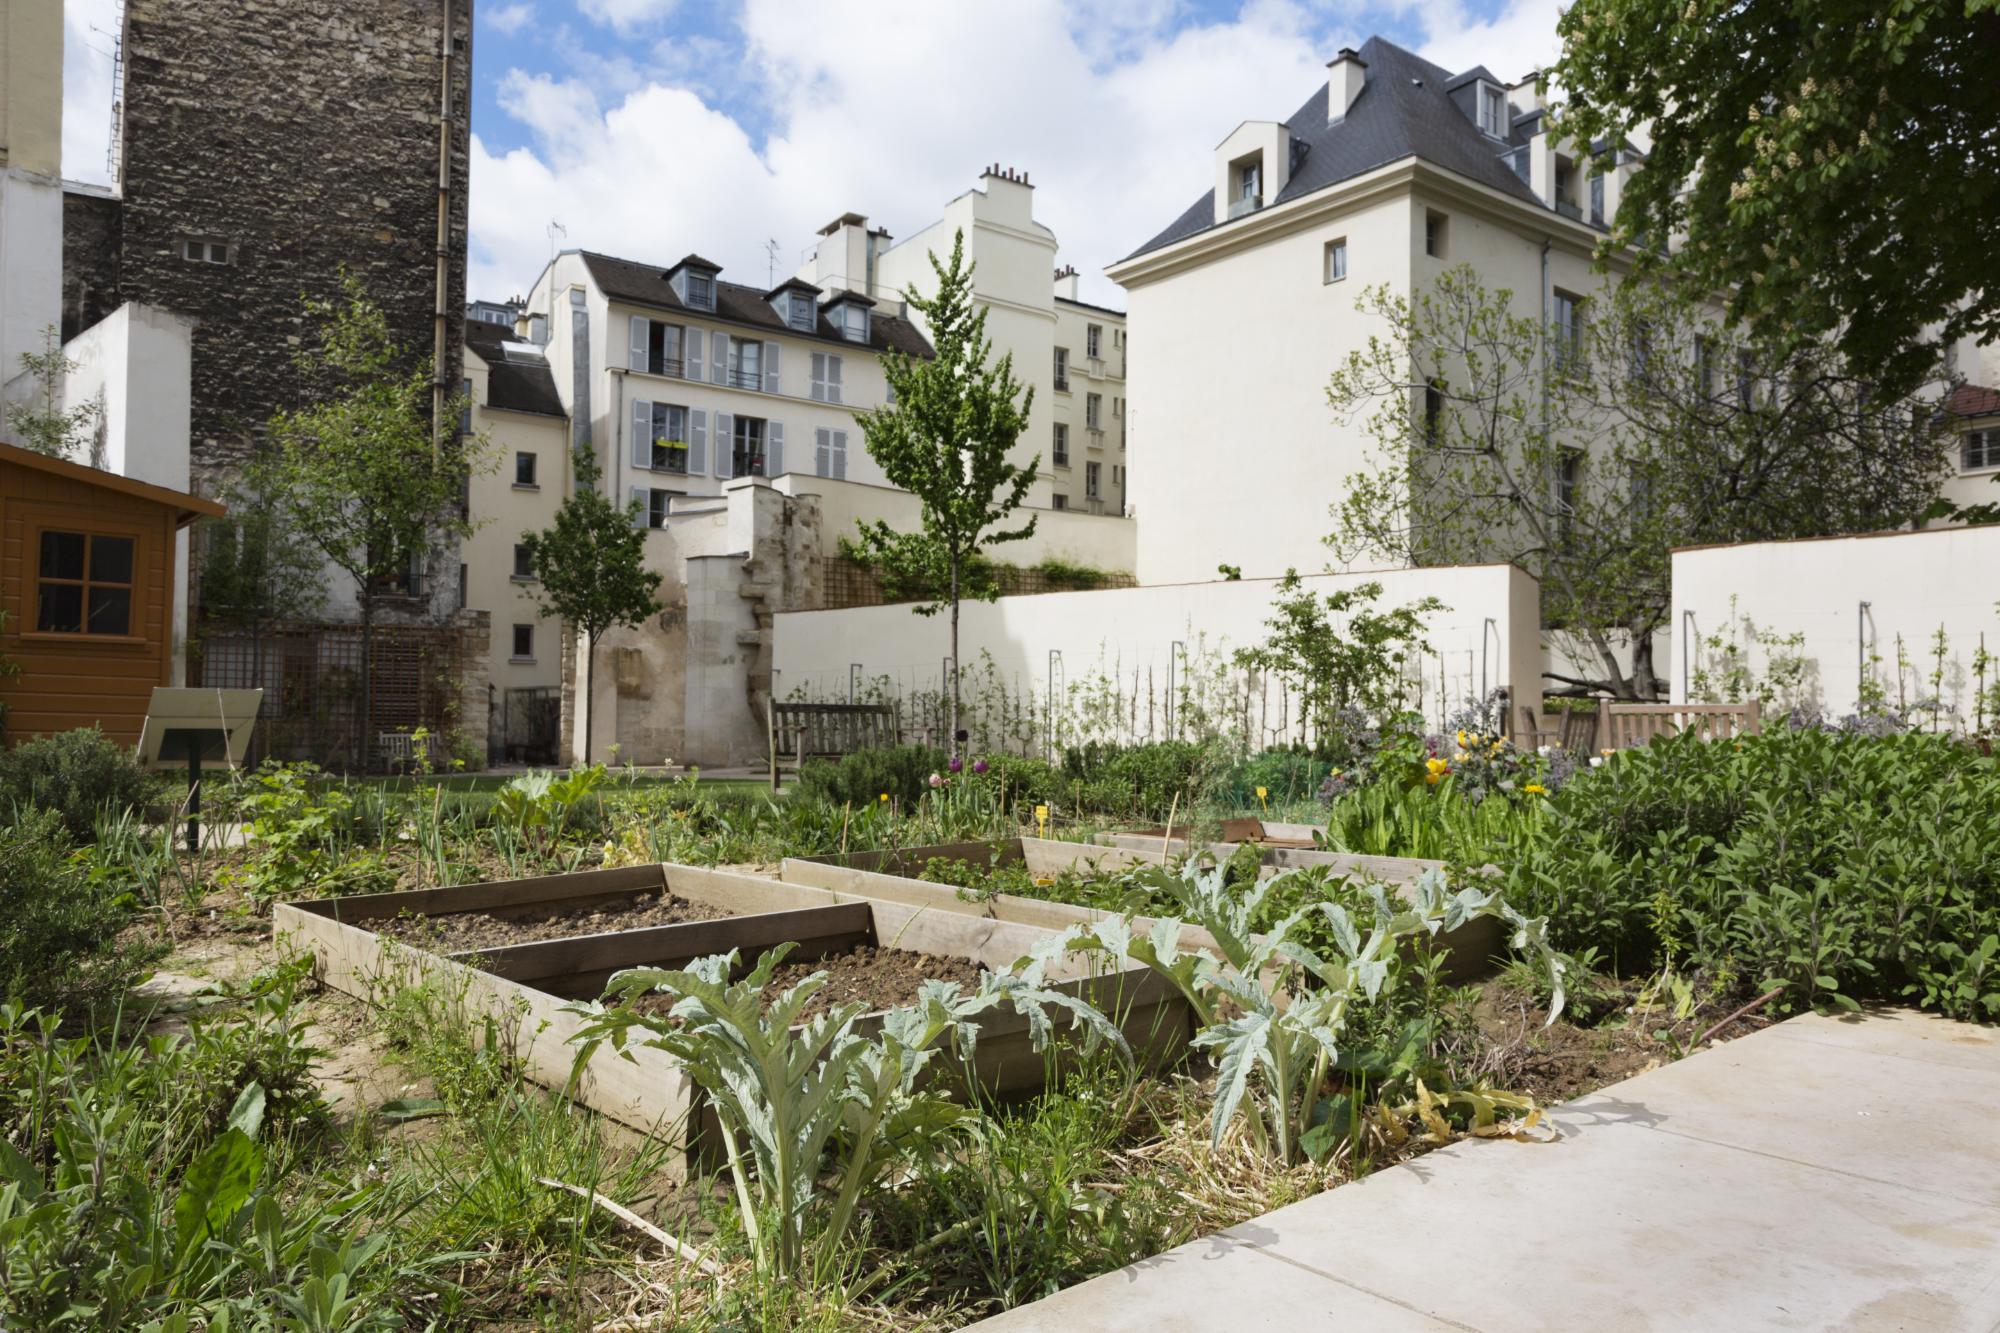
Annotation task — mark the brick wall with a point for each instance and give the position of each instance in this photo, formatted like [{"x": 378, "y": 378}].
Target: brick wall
[{"x": 302, "y": 134}]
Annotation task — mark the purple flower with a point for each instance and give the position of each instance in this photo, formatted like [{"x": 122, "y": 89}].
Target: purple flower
[
  {"x": 936, "y": 780},
  {"x": 979, "y": 765},
  {"x": 956, "y": 763}
]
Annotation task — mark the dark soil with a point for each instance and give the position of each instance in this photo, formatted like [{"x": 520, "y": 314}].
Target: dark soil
[
  {"x": 879, "y": 978},
  {"x": 462, "y": 931}
]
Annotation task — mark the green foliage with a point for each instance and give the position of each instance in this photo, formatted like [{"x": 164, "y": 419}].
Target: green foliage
[
  {"x": 300, "y": 829},
  {"x": 1783, "y": 141},
  {"x": 788, "y": 1096},
  {"x": 59, "y": 924},
  {"x": 901, "y": 772},
  {"x": 945, "y": 437},
  {"x": 254, "y": 574},
  {"x": 78, "y": 774},
  {"x": 1067, "y": 574},
  {"x": 540, "y": 802},
  {"x": 1287, "y": 777},
  {"x": 1338, "y": 654},
  {"x": 40, "y": 422},
  {"x": 1846, "y": 868},
  {"x": 1438, "y": 823}
]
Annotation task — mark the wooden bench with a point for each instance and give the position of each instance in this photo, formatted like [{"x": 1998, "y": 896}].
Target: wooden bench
[
  {"x": 1576, "y": 734},
  {"x": 1637, "y": 724},
  {"x": 798, "y": 732}
]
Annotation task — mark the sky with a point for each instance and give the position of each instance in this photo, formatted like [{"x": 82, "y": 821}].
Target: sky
[{"x": 651, "y": 128}]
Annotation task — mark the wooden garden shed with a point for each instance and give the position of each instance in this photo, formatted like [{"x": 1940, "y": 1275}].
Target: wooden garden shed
[{"x": 87, "y": 594}]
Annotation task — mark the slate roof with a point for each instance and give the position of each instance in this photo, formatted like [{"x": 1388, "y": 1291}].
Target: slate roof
[
  {"x": 516, "y": 381},
  {"x": 747, "y": 307},
  {"x": 1406, "y": 109}
]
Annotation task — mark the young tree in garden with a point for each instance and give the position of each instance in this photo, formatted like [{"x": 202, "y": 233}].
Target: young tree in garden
[
  {"x": 591, "y": 564},
  {"x": 41, "y": 422},
  {"x": 363, "y": 484},
  {"x": 945, "y": 439},
  {"x": 254, "y": 573},
  {"x": 1833, "y": 164},
  {"x": 1653, "y": 427},
  {"x": 1338, "y": 654}
]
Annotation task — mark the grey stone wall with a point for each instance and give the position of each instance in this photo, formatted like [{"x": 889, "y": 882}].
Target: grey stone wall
[
  {"x": 303, "y": 135},
  {"x": 93, "y": 241}
]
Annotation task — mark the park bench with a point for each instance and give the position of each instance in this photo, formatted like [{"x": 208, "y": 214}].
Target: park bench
[{"x": 798, "y": 732}]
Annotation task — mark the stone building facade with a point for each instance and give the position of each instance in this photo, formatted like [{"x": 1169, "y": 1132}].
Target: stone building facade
[{"x": 266, "y": 147}]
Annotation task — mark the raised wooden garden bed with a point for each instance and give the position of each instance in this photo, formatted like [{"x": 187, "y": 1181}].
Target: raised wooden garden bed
[
  {"x": 370, "y": 946},
  {"x": 1284, "y": 846}
]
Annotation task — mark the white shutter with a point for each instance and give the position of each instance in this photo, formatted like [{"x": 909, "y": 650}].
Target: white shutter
[
  {"x": 774, "y": 448},
  {"x": 697, "y": 430},
  {"x": 641, "y": 497},
  {"x": 840, "y": 455},
  {"x": 822, "y": 450},
  {"x": 691, "y": 340},
  {"x": 642, "y": 434},
  {"x": 642, "y": 333},
  {"x": 718, "y": 359},
  {"x": 819, "y": 377},
  {"x": 833, "y": 378},
  {"x": 770, "y": 367},
  {"x": 725, "y": 442}
]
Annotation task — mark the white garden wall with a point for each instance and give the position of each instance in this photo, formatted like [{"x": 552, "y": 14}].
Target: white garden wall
[
  {"x": 1099, "y": 541},
  {"x": 1831, "y": 613},
  {"x": 1121, "y": 659}
]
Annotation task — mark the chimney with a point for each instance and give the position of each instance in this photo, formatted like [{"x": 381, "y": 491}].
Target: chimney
[
  {"x": 1346, "y": 75},
  {"x": 1066, "y": 282}
]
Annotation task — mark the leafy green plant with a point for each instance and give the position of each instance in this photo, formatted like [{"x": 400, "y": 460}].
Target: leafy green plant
[
  {"x": 901, "y": 772},
  {"x": 60, "y": 924},
  {"x": 788, "y": 1096},
  {"x": 78, "y": 774},
  {"x": 1271, "y": 1011},
  {"x": 300, "y": 829},
  {"x": 540, "y": 805}
]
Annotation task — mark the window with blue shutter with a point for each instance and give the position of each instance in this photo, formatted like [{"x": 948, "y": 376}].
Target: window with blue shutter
[
  {"x": 697, "y": 442},
  {"x": 818, "y": 391}
]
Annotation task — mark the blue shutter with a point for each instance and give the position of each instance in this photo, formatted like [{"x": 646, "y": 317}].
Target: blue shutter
[
  {"x": 641, "y": 497},
  {"x": 819, "y": 377},
  {"x": 770, "y": 367},
  {"x": 697, "y": 430},
  {"x": 642, "y": 434},
  {"x": 641, "y": 336},
  {"x": 691, "y": 341},
  {"x": 774, "y": 448},
  {"x": 839, "y": 455},
  {"x": 822, "y": 450},
  {"x": 718, "y": 359},
  {"x": 725, "y": 442},
  {"x": 832, "y": 378}
]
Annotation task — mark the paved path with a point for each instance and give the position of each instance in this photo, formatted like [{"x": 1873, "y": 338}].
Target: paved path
[{"x": 1821, "y": 1174}]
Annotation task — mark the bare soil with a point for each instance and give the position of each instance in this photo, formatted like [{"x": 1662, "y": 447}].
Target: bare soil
[
  {"x": 877, "y": 977},
  {"x": 462, "y": 931}
]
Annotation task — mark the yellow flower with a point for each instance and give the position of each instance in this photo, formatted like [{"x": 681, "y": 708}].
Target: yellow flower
[
  {"x": 883, "y": 797},
  {"x": 1458, "y": 758},
  {"x": 1431, "y": 779},
  {"x": 1438, "y": 767},
  {"x": 1536, "y": 789},
  {"x": 1461, "y": 740}
]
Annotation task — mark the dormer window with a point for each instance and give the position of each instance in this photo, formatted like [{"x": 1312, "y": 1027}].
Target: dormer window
[
  {"x": 801, "y": 315},
  {"x": 1246, "y": 193},
  {"x": 1492, "y": 104},
  {"x": 701, "y": 291},
  {"x": 853, "y": 322}
]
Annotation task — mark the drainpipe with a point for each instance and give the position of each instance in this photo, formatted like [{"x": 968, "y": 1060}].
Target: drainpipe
[{"x": 441, "y": 324}]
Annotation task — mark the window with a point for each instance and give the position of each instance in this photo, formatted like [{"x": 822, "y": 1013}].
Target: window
[
  {"x": 803, "y": 312},
  {"x": 1062, "y": 370},
  {"x": 701, "y": 291},
  {"x": 659, "y": 504},
  {"x": 524, "y": 643},
  {"x": 524, "y": 470},
  {"x": 747, "y": 456},
  {"x": 1093, "y": 411},
  {"x": 664, "y": 349},
  {"x": 830, "y": 453},
  {"x": 1061, "y": 455},
  {"x": 746, "y": 363},
  {"x": 1980, "y": 449},
  {"x": 1060, "y": 501},
  {"x": 1569, "y": 477},
  {"x": 1433, "y": 410},
  {"x": 465, "y": 413},
  {"x": 1436, "y": 229},
  {"x": 1567, "y": 309},
  {"x": 669, "y": 437},
  {"x": 1597, "y": 199},
  {"x": 85, "y": 583},
  {"x": 1493, "y": 110},
  {"x": 826, "y": 372},
  {"x": 1248, "y": 196},
  {"x": 1704, "y": 365},
  {"x": 524, "y": 563},
  {"x": 854, "y": 322},
  {"x": 1093, "y": 341},
  {"x": 1746, "y": 380},
  {"x": 1091, "y": 472},
  {"x": 202, "y": 250},
  {"x": 1639, "y": 356},
  {"x": 1336, "y": 260}
]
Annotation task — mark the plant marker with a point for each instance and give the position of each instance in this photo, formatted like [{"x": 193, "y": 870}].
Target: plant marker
[{"x": 1042, "y": 820}]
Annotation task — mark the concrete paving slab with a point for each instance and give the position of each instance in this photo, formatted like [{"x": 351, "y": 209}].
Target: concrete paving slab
[{"x": 1818, "y": 1175}]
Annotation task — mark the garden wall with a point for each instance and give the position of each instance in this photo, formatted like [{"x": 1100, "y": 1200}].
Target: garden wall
[
  {"x": 1136, "y": 664},
  {"x": 1828, "y": 623}
]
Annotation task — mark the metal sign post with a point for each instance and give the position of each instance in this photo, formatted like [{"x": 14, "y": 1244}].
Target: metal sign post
[{"x": 199, "y": 728}]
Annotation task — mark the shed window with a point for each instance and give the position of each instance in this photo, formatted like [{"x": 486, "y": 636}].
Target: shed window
[{"x": 85, "y": 584}]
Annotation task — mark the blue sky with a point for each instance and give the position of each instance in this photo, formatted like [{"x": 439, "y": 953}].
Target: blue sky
[{"x": 650, "y": 128}]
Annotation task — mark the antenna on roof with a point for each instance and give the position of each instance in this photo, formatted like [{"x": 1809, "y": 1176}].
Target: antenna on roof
[
  {"x": 770, "y": 262},
  {"x": 554, "y": 229}
]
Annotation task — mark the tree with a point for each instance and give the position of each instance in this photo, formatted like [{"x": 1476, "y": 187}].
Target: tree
[
  {"x": 1339, "y": 656},
  {"x": 363, "y": 483},
  {"x": 42, "y": 423},
  {"x": 945, "y": 439},
  {"x": 1587, "y": 454},
  {"x": 591, "y": 563},
  {"x": 1834, "y": 165}
]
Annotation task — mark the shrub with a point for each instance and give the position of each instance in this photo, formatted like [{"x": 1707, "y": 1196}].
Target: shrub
[
  {"x": 78, "y": 774},
  {"x": 1285, "y": 775},
  {"x": 1842, "y": 867},
  {"x": 857, "y": 779},
  {"x": 59, "y": 924},
  {"x": 1141, "y": 780}
]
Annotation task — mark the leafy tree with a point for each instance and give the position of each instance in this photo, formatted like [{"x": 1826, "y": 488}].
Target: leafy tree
[
  {"x": 1338, "y": 654},
  {"x": 364, "y": 482},
  {"x": 41, "y": 423},
  {"x": 254, "y": 574},
  {"x": 591, "y": 564},
  {"x": 1834, "y": 164},
  {"x": 945, "y": 439},
  {"x": 1587, "y": 454}
]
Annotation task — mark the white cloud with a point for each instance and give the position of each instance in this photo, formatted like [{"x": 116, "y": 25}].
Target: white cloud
[
  {"x": 1517, "y": 40},
  {"x": 509, "y": 19},
  {"x": 627, "y": 14},
  {"x": 90, "y": 32}
]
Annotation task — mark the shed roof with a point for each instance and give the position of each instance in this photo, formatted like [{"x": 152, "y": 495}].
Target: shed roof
[{"x": 187, "y": 508}]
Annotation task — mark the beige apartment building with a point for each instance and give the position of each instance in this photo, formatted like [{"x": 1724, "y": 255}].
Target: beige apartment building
[{"x": 1087, "y": 454}]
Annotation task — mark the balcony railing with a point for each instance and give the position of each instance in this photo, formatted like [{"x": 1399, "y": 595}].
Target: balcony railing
[
  {"x": 1569, "y": 210},
  {"x": 1248, "y": 203},
  {"x": 671, "y": 366},
  {"x": 745, "y": 379},
  {"x": 670, "y": 458},
  {"x": 1062, "y": 384}
]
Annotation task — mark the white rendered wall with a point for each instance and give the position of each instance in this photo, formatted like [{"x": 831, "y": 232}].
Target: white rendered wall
[
  {"x": 30, "y": 269},
  {"x": 1134, "y": 632},
  {"x": 1850, "y": 597},
  {"x": 1100, "y": 541}
]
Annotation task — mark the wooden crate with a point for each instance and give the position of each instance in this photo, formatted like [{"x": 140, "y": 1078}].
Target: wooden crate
[{"x": 521, "y": 988}]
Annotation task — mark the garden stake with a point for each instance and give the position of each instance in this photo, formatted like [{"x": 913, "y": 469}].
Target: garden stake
[{"x": 1720, "y": 1024}]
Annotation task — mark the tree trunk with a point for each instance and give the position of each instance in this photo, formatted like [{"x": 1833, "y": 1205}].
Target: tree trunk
[
  {"x": 365, "y": 746},
  {"x": 589, "y": 689},
  {"x": 952, "y": 749}
]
